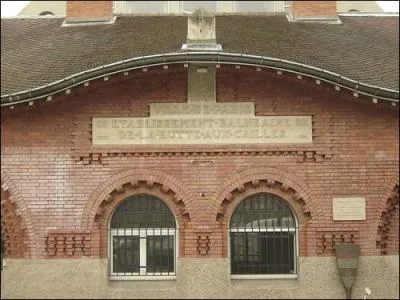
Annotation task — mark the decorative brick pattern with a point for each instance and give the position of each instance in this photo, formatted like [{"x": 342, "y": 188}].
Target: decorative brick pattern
[
  {"x": 174, "y": 79},
  {"x": 69, "y": 243},
  {"x": 85, "y": 153},
  {"x": 132, "y": 182},
  {"x": 387, "y": 240},
  {"x": 135, "y": 185},
  {"x": 101, "y": 157},
  {"x": 266, "y": 182},
  {"x": 326, "y": 240},
  {"x": 15, "y": 226},
  {"x": 253, "y": 179},
  {"x": 12, "y": 228},
  {"x": 127, "y": 186},
  {"x": 350, "y": 155},
  {"x": 312, "y": 156},
  {"x": 203, "y": 243},
  {"x": 262, "y": 180}
]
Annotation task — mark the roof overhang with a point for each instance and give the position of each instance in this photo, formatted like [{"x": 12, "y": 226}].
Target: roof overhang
[{"x": 210, "y": 57}]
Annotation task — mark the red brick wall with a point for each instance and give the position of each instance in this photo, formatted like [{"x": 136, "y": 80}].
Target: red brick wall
[
  {"x": 70, "y": 187},
  {"x": 388, "y": 229},
  {"x": 12, "y": 229},
  {"x": 82, "y": 9},
  {"x": 393, "y": 233},
  {"x": 313, "y": 8}
]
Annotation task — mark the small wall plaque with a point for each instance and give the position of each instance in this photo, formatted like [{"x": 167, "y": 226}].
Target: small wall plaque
[{"x": 349, "y": 209}]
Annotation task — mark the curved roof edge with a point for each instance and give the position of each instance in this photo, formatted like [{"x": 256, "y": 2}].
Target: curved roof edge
[{"x": 199, "y": 57}]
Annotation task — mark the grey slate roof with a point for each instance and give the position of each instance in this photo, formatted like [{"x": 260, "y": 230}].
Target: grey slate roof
[{"x": 36, "y": 52}]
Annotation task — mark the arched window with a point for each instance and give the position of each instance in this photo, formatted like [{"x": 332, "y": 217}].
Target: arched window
[
  {"x": 263, "y": 237},
  {"x": 142, "y": 238}
]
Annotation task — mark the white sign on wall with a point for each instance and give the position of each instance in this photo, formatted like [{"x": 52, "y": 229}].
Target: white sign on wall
[
  {"x": 349, "y": 209},
  {"x": 202, "y": 123}
]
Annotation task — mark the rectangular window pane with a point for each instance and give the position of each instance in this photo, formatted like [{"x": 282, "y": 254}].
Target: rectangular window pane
[
  {"x": 160, "y": 254},
  {"x": 262, "y": 252},
  {"x": 254, "y": 6},
  {"x": 126, "y": 254},
  {"x": 278, "y": 252},
  {"x": 146, "y": 7},
  {"x": 192, "y": 6},
  {"x": 238, "y": 252}
]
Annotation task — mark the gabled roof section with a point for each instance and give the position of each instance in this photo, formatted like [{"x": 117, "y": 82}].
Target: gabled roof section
[{"x": 39, "y": 52}]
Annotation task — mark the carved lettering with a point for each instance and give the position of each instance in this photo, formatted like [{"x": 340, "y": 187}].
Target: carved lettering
[{"x": 202, "y": 123}]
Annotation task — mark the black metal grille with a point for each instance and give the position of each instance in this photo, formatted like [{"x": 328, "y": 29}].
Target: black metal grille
[
  {"x": 3, "y": 254},
  {"x": 263, "y": 236},
  {"x": 143, "y": 238},
  {"x": 126, "y": 254},
  {"x": 142, "y": 211}
]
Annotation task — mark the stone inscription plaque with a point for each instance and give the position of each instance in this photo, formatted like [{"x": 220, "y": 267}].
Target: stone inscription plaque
[
  {"x": 348, "y": 209},
  {"x": 202, "y": 123},
  {"x": 184, "y": 110}
]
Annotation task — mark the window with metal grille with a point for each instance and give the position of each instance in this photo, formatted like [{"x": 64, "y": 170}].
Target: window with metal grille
[
  {"x": 143, "y": 239},
  {"x": 263, "y": 237}
]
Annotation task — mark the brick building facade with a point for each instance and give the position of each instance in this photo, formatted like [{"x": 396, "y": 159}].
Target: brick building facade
[{"x": 60, "y": 189}]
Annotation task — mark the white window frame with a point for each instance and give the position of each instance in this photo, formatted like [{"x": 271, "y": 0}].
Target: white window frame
[{"x": 142, "y": 233}]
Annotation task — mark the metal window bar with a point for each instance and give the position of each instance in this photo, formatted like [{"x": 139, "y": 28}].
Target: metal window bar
[
  {"x": 263, "y": 237},
  {"x": 3, "y": 254},
  {"x": 142, "y": 238},
  {"x": 269, "y": 251},
  {"x": 142, "y": 252}
]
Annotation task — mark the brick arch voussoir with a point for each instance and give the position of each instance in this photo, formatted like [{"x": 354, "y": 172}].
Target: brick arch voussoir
[
  {"x": 388, "y": 209},
  {"x": 252, "y": 180},
  {"x": 16, "y": 225},
  {"x": 389, "y": 188},
  {"x": 127, "y": 182}
]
